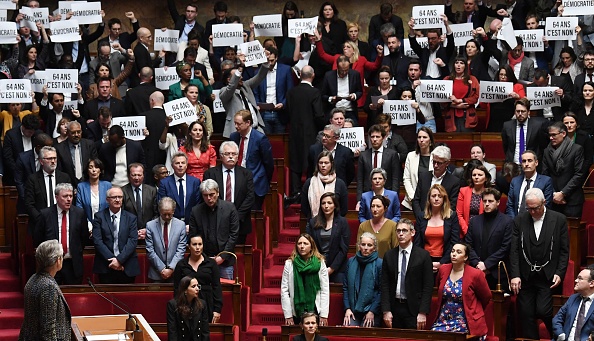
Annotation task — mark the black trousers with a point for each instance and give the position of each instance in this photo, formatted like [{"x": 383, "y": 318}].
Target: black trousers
[
  {"x": 535, "y": 301},
  {"x": 401, "y": 316},
  {"x": 66, "y": 276}
]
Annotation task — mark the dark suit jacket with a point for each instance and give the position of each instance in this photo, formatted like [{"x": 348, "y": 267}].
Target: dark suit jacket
[
  {"x": 47, "y": 228},
  {"x": 569, "y": 178},
  {"x": 554, "y": 230},
  {"x": 563, "y": 320},
  {"x": 168, "y": 188},
  {"x": 137, "y": 99},
  {"x": 449, "y": 182},
  {"x": 330, "y": 88},
  {"x": 336, "y": 258},
  {"x": 107, "y": 154},
  {"x": 180, "y": 21},
  {"x": 518, "y": 14},
  {"x": 567, "y": 99},
  {"x": 180, "y": 328},
  {"x": 11, "y": 148},
  {"x": 94, "y": 132},
  {"x": 390, "y": 163},
  {"x": 243, "y": 193},
  {"x": 418, "y": 281},
  {"x": 142, "y": 58},
  {"x": 344, "y": 163},
  {"x": 443, "y": 52},
  {"x": 155, "y": 121},
  {"x": 65, "y": 162},
  {"x": 49, "y": 118},
  {"x": 316, "y": 338},
  {"x": 514, "y": 196},
  {"x": 284, "y": 83},
  {"x": 451, "y": 234},
  {"x": 36, "y": 194},
  {"x": 227, "y": 229},
  {"x": 536, "y": 137},
  {"x": 258, "y": 160},
  {"x": 478, "y": 17},
  {"x": 25, "y": 166},
  {"x": 499, "y": 241},
  {"x": 149, "y": 203},
  {"x": 103, "y": 237},
  {"x": 91, "y": 109},
  {"x": 126, "y": 39}
]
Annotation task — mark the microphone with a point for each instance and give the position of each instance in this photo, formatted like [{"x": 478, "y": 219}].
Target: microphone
[{"x": 264, "y": 333}]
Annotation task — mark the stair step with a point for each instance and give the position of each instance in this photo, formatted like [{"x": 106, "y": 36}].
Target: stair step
[
  {"x": 279, "y": 255},
  {"x": 267, "y": 296},
  {"x": 9, "y": 334},
  {"x": 13, "y": 318},
  {"x": 292, "y": 222},
  {"x": 5, "y": 261},
  {"x": 273, "y": 276},
  {"x": 288, "y": 236},
  {"x": 267, "y": 314},
  {"x": 254, "y": 333},
  {"x": 9, "y": 281},
  {"x": 11, "y": 299}
]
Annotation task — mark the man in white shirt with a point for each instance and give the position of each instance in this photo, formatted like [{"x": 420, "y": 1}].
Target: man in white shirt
[{"x": 575, "y": 321}]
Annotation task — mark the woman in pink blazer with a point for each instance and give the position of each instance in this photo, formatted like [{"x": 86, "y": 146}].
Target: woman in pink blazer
[{"x": 470, "y": 201}]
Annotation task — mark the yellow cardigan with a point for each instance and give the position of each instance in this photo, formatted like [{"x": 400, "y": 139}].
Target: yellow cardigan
[{"x": 6, "y": 118}]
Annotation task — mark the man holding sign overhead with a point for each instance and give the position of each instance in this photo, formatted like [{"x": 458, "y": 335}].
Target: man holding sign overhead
[{"x": 434, "y": 58}]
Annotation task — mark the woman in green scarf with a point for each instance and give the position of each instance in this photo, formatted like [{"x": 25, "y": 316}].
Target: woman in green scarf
[{"x": 305, "y": 284}]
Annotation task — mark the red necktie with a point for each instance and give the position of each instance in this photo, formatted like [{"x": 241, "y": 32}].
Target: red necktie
[
  {"x": 240, "y": 158},
  {"x": 64, "y": 232},
  {"x": 375, "y": 159},
  {"x": 166, "y": 235},
  {"x": 228, "y": 188}
]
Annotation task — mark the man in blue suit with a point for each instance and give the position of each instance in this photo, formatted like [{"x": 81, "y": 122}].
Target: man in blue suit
[
  {"x": 115, "y": 235},
  {"x": 165, "y": 242},
  {"x": 255, "y": 154},
  {"x": 183, "y": 188},
  {"x": 530, "y": 178},
  {"x": 272, "y": 91},
  {"x": 575, "y": 321}
]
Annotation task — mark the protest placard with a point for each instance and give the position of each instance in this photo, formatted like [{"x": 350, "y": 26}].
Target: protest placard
[
  {"x": 165, "y": 78},
  {"x": 64, "y": 31},
  {"x": 71, "y": 105},
  {"x": 408, "y": 51},
  {"x": 41, "y": 14},
  {"x": 507, "y": 33},
  {"x": 64, "y": 7},
  {"x": 462, "y": 33},
  {"x": 166, "y": 40},
  {"x": 15, "y": 91},
  {"x": 577, "y": 7},
  {"x": 227, "y": 35},
  {"x": 561, "y": 28},
  {"x": 8, "y": 32},
  {"x": 217, "y": 104},
  {"x": 532, "y": 39},
  {"x": 493, "y": 92},
  {"x": 61, "y": 80},
  {"x": 297, "y": 27},
  {"x": 28, "y": 18},
  {"x": 133, "y": 126},
  {"x": 428, "y": 16},
  {"x": 436, "y": 91},
  {"x": 87, "y": 12},
  {"x": 181, "y": 110},
  {"x": 8, "y": 4},
  {"x": 402, "y": 112},
  {"x": 353, "y": 138},
  {"x": 37, "y": 81},
  {"x": 543, "y": 97},
  {"x": 3, "y": 15},
  {"x": 254, "y": 53},
  {"x": 268, "y": 25}
]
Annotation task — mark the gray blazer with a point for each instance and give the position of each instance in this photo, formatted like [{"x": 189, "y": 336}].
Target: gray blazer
[
  {"x": 158, "y": 256},
  {"x": 526, "y": 67}
]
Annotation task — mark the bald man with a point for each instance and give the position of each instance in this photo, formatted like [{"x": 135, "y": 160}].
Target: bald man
[
  {"x": 155, "y": 121},
  {"x": 143, "y": 56},
  {"x": 137, "y": 98}
]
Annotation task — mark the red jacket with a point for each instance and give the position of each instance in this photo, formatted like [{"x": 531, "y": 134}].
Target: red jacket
[
  {"x": 471, "y": 97},
  {"x": 463, "y": 209}
]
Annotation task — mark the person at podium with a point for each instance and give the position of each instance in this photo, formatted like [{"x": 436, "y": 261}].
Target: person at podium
[{"x": 187, "y": 316}]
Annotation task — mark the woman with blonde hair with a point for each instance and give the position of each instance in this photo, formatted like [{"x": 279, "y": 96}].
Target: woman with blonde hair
[{"x": 353, "y": 30}]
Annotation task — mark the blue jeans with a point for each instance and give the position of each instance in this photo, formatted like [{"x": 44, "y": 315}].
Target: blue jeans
[
  {"x": 226, "y": 271},
  {"x": 272, "y": 123}
]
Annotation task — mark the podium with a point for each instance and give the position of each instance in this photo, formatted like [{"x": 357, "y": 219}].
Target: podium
[{"x": 107, "y": 327}]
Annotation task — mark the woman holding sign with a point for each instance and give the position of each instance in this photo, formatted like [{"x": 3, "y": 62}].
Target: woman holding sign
[
  {"x": 460, "y": 114},
  {"x": 504, "y": 111},
  {"x": 384, "y": 91},
  {"x": 201, "y": 154},
  {"x": 184, "y": 71}
]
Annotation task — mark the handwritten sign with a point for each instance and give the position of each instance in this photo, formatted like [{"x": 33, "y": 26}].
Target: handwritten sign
[
  {"x": 217, "y": 104},
  {"x": 133, "y": 126},
  {"x": 402, "y": 112},
  {"x": 427, "y": 16},
  {"x": 408, "y": 51},
  {"x": 87, "y": 12},
  {"x": 297, "y": 27},
  {"x": 227, "y": 35},
  {"x": 493, "y": 92},
  {"x": 70, "y": 105},
  {"x": 268, "y": 25},
  {"x": 166, "y": 40},
  {"x": 462, "y": 33},
  {"x": 353, "y": 138},
  {"x": 8, "y": 4},
  {"x": 254, "y": 53},
  {"x": 181, "y": 110},
  {"x": 532, "y": 39},
  {"x": 436, "y": 91},
  {"x": 15, "y": 91},
  {"x": 64, "y": 31},
  {"x": 61, "y": 80},
  {"x": 542, "y": 97},
  {"x": 37, "y": 81},
  {"x": 28, "y": 18},
  {"x": 561, "y": 28},
  {"x": 165, "y": 78},
  {"x": 577, "y": 7},
  {"x": 8, "y": 32}
]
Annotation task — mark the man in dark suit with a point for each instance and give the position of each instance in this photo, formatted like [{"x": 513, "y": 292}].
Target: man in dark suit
[
  {"x": 377, "y": 156},
  {"x": 75, "y": 152},
  {"x": 255, "y": 154},
  {"x": 396, "y": 60},
  {"x": 344, "y": 163},
  {"x": 27, "y": 164},
  {"x": 586, "y": 76},
  {"x": 142, "y": 56},
  {"x": 575, "y": 316},
  {"x": 104, "y": 99},
  {"x": 186, "y": 22},
  {"x": 217, "y": 220},
  {"x": 220, "y": 12},
  {"x": 563, "y": 162},
  {"x": 137, "y": 99},
  {"x": 116, "y": 35},
  {"x": 348, "y": 95},
  {"x": 51, "y": 116},
  {"x": 538, "y": 257},
  {"x": 532, "y": 128},
  {"x": 477, "y": 14},
  {"x": 385, "y": 16},
  {"x": 521, "y": 183},
  {"x": 118, "y": 154},
  {"x": 433, "y": 67},
  {"x": 439, "y": 175},
  {"x": 183, "y": 188},
  {"x": 407, "y": 281},
  {"x": 139, "y": 199},
  {"x": 115, "y": 236},
  {"x": 236, "y": 184},
  {"x": 565, "y": 91},
  {"x": 155, "y": 121},
  {"x": 489, "y": 235},
  {"x": 71, "y": 233},
  {"x": 98, "y": 130},
  {"x": 16, "y": 141},
  {"x": 516, "y": 10}
]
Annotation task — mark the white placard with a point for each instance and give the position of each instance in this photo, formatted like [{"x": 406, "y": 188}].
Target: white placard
[
  {"x": 8, "y": 32},
  {"x": 15, "y": 91},
  {"x": 507, "y": 33},
  {"x": 181, "y": 110},
  {"x": 462, "y": 33},
  {"x": 353, "y": 138},
  {"x": 304, "y": 60},
  {"x": 217, "y": 104},
  {"x": 41, "y": 14},
  {"x": 532, "y": 39},
  {"x": 227, "y": 35},
  {"x": 165, "y": 78},
  {"x": 166, "y": 40},
  {"x": 402, "y": 112},
  {"x": 493, "y": 92},
  {"x": 561, "y": 28},
  {"x": 61, "y": 80},
  {"x": 133, "y": 126},
  {"x": 542, "y": 97},
  {"x": 8, "y": 4},
  {"x": 578, "y": 7},
  {"x": 64, "y": 31},
  {"x": 436, "y": 91},
  {"x": 297, "y": 27},
  {"x": 64, "y": 7},
  {"x": 70, "y": 105},
  {"x": 3, "y": 15},
  {"x": 28, "y": 18},
  {"x": 408, "y": 51},
  {"x": 87, "y": 12},
  {"x": 268, "y": 25},
  {"x": 254, "y": 53},
  {"x": 37, "y": 81},
  {"x": 428, "y": 16}
]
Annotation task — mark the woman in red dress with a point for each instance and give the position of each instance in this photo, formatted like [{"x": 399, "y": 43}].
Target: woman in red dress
[{"x": 201, "y": 154}]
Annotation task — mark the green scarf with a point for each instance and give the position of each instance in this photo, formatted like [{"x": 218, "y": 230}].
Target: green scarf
[{"x": 306, "y": 283}]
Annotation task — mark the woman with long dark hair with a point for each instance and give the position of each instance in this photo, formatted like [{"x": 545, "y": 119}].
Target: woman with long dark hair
[
  {"x": 332, "y": 27},
  {"x": 470, "y": 200},
  {"x": 503, "y": 111},
  {"x": 417, "y": 162},
  {"x": 582, "y": 107},
  {"x": 201, "y": 154},
  {"x": 187, "y": 316},
  {"x": 460, "y": 114},
  {"x": 323, "y": 180}
]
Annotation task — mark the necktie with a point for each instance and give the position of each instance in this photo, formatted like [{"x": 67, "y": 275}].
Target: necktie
[
  {"x": 241, "y": 145},
  {"x": 64, "y": 232},
  {"x": 180, "y": 194},
  {"x": 51, "y": 190},
  {"x": 403, "y": 276},
  {"x": 138, "y": 202},
  {"x": 249, "y": 107},
  {"x": 116, "y": 246},
  {"x": 581, "y": 319},
  {"x": 228, "y": 189},
  {"x": 522, "y": 142},
  {"x": 77, "y": 162},
  {"x": 375, "y": 159},
  {"x": 166, "y": 236},
  {"x": 590, "y": 75},
  {"x": 523, "y": 201}
]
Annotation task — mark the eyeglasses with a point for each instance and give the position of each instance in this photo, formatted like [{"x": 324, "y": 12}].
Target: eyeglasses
[
  {"x": 50, "y": 158},
  {"x": 230, "y": 154},
  {"x": 532, "y": 209},
  {"x": 116, "y": 197},
  {"x": 403, "y": 231},
  {"x": 554, "y": 134},
  {"x": 439, "y": 163}
]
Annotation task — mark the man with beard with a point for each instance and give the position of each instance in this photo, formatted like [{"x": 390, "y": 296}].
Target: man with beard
[
  {"x": 396, "y": 60},
  {"x": 586, "y": 76}
]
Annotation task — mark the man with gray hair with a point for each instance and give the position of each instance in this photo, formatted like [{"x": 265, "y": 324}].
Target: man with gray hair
[
  {"x": 75, "y": 152},
  {"x": 217, "y": 221},
  {"x": 344, "y": 163},
  {"x": 440, "y": 157},
  {"x": 67, "y": 224}
]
